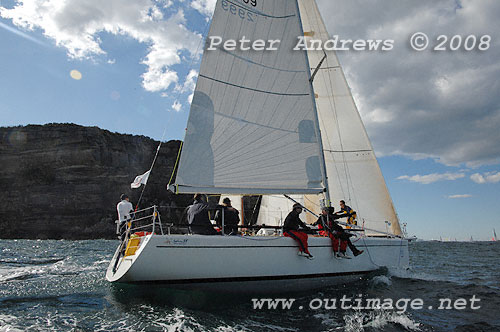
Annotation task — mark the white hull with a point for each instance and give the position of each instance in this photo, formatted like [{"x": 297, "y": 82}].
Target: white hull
[{"x": 251, "y": 264}]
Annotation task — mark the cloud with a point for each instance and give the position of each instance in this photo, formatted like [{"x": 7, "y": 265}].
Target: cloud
[
  {"x": 189, "y": 82},
  {"x": 460, "y": 196},
  {"x": 206, "y": 7},
  {"x": 440, "y": 105},
  {"x": 490, "y": 177},
  {"x": 434, "y": 177},
  {"x": 176, "y": 106},
  {"x": 77, "y": 25}
]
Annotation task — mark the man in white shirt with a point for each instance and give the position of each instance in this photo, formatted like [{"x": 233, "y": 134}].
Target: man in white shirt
[{"x": 124, "y": 208}]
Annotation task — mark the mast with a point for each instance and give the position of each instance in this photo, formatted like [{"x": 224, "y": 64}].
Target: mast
[
  {"x": 316, "y": 118},
  {"x": 354, "y": 174}
]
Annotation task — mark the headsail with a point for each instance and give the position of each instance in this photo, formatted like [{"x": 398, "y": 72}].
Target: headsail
[
  {"x": 274, "y": 208},
  {"x": 252, "y": 127},
  {"x": 353, "y": 171}
]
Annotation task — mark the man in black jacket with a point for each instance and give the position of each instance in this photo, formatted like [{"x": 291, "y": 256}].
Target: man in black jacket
[
  {"x": 197, "y": 216},
  {"x": 231, "y": 217},
  {"x": 292, "y": 228}
]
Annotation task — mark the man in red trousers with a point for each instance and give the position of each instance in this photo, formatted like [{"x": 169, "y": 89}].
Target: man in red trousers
[{"x": 293, "y": 228}]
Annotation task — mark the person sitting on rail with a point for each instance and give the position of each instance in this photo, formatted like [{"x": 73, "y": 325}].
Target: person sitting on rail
[
  {"x": 340, "y": 238},
  {"x": 293, "y": 227}
]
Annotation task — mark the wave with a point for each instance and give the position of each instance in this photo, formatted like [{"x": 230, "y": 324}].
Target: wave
[
  {"x": 34, "y": 261},
  {"x": 21, "y": 275},
  {"x": 358, "y": 321},
  {"x": 49, "y": 267},
  {"x": 381, "y": 280},
  {"x": 7, "y": 323},
  {"x": 460, "y": 281}
]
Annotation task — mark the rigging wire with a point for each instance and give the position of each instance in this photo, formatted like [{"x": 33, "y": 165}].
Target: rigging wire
[{"x": 152, "y": 165}]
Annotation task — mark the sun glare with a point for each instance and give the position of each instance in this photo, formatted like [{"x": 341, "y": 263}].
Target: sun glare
[{"x": 75, "y": 74}]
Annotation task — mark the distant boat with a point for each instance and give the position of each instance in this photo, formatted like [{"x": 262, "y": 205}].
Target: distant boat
[
  {"x": 412, "y": 238},
  {"x": 494, "y": 238},
  {"x": 471, "y": 239}
]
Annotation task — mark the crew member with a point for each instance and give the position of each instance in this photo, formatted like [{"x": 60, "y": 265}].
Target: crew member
[
  {"x": 197, "y": 216},
  {"x": 231, "y": 217},
  {"x": 340, "y": 238},
  {"x": 350, "y": 213},
  {"x": 124, "y": 207},
  {"x": 293, "y": 227}
]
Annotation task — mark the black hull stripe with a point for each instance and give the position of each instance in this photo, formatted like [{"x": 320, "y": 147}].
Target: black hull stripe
[
  {"x": 237, "y": 247},
  {"x": 243, "y": 279}
]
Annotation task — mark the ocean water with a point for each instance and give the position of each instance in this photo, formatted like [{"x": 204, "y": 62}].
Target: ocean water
[{"x": 60, "y": 286}]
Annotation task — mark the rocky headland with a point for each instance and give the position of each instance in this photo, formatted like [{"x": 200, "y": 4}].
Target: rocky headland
[{"x": 63, "y": 181}]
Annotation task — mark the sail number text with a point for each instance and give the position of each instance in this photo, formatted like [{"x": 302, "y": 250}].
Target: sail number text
[
  {"x": 252, "y": 2},
  {"x": 239, "y": 11}
]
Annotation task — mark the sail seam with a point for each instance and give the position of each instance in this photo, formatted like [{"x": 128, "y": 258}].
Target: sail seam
[
  {"x": 260, "y": 64},
  {"x": 348, "y": 150},
  {"x": 254, "y": 123},
  {"x": 256, "y": 90}
]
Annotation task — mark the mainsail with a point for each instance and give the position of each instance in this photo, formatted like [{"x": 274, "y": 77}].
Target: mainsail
[
  {"x": 353, "y": 171},
  {"x": 252, "y": 127}
]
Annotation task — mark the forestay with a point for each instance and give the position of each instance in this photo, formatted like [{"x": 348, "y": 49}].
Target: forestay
[
  {"x": 252, "y": 126},
  {"x": 353, "y": 171}
]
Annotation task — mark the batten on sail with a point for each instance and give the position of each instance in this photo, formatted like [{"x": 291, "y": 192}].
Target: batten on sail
[
  {"x": 252, "y": 126},
  {"x": 353, "y": 171}
]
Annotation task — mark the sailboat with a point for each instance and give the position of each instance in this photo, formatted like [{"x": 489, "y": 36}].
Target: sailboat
[
  {"x": 270, "y": 123},
  {"x": 494, "y": 238}
]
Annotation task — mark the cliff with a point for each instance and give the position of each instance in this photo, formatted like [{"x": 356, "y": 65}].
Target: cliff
[{"x": 63, "y": 181}]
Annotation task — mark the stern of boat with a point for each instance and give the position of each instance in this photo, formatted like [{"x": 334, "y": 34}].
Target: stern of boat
[{"x": 137, "y": 235}]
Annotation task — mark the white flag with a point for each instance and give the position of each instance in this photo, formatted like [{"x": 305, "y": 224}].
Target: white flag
[{"x": 140, "y": 179}]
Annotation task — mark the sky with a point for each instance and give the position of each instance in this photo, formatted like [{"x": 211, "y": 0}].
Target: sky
[{"x": 131, "y": 67}]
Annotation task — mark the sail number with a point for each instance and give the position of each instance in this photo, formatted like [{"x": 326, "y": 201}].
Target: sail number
[
  {"x": 252, "y": 2},
  {"x": 243, "y": 13}
]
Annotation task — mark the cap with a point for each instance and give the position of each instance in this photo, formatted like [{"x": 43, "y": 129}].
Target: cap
[
  {"x": 297, "y": 205},
  {"x": 123, "y": 196},
  {"x": 226, "y": 200}
]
